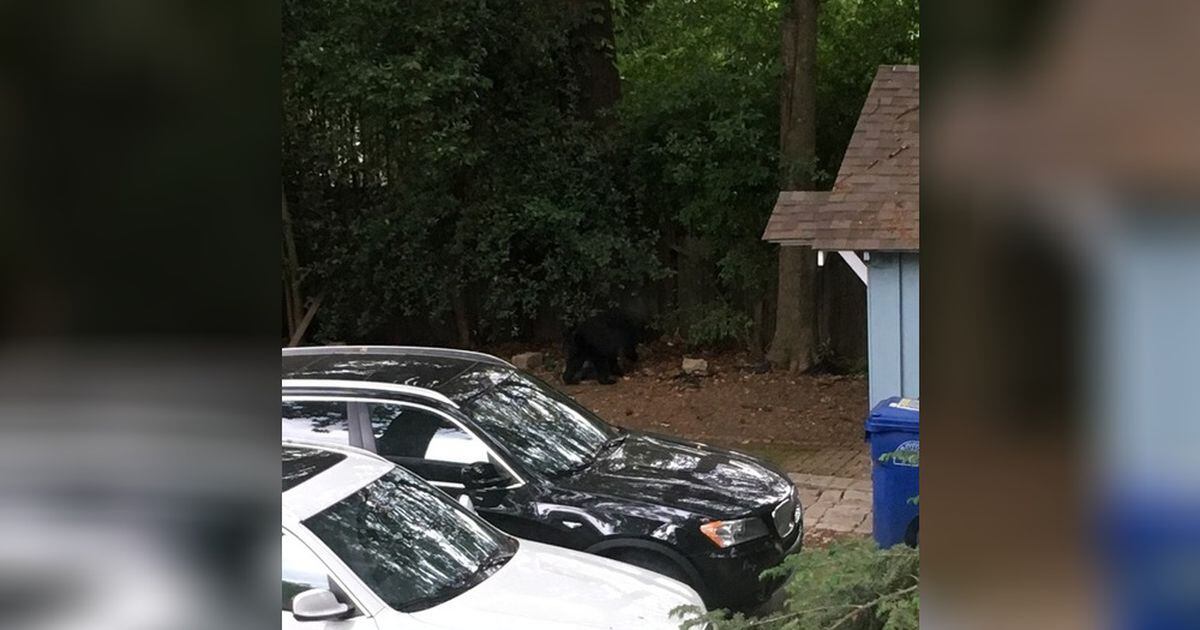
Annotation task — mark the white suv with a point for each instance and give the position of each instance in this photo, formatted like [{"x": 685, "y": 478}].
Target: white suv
[{"x": 367, "y": 544}]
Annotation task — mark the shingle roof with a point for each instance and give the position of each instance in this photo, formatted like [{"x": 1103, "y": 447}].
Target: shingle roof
[{"x": 874, "y": 201}]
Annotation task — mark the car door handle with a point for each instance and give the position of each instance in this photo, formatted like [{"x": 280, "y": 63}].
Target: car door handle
[{"x": 572, "y": 524}]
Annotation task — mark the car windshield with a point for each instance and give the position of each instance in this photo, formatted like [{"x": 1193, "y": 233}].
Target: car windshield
[
  {"x": 299, "y": 464},
  {"x": 545, "y": 429},
  {"x": 410, "y": 543}
]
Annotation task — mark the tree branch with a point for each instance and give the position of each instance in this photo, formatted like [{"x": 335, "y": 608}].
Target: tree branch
[
  {"x": 871, "y": 604},
  {"x": 857, "y": 608}
]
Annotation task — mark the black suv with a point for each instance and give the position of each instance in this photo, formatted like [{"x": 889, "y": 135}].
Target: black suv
[{"x": 540, "y": 466}]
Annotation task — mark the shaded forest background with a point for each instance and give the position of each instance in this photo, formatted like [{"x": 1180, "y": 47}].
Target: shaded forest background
[{"x": 470, "y": 171}]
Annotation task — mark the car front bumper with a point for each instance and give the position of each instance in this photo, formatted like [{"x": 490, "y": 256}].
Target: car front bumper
[{"x": 731, "y": 577}]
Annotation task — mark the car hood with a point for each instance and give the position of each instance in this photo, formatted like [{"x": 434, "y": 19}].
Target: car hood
[
  {"x": 544, "y": 587},
  {"x": 683, "y": 475}
]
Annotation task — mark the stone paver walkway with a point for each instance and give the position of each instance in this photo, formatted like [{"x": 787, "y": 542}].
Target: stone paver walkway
[
  {"x": 841, "y": 505},
  {"x": 854, "y": 463}
]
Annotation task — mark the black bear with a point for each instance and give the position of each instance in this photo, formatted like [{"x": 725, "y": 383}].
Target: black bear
[{"x": 600, "y": 340}]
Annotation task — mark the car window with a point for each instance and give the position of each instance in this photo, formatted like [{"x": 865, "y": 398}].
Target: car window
[
  {"x": 543, "y": 428},
  {"x": 321, "y": 421},
  {"x": 402, "y": 431},
  {"x": 302, "y": 570},
  {"x": 410, "y": 543}
]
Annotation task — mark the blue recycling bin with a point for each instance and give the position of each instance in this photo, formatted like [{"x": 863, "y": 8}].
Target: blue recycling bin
[
  {"x": 892, "y": 427},
  {"x": 1150, "y": 542}
]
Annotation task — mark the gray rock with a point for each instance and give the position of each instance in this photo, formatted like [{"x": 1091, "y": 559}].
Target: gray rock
[
  {"x": 695, "y": 366},
  {"x": 529, "y": 360}
]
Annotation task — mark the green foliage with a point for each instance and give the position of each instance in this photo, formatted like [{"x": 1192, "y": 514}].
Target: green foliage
[
  {"x": 828, "y": 360},
  {"x": 700, "y": 109},
  {"x": 435, "y": 153},
  {"x": 715, "y": 325},
  {"x": 702, "y": 122},
  {"x": 850, "y": 585},
  {"x": 854, "y": 38},
  {"x": 904, "y": 458},
  {"x": 435, "y": 149}
]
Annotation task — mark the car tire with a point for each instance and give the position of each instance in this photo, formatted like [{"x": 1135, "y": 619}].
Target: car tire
[{"x": 912, "y": 535}]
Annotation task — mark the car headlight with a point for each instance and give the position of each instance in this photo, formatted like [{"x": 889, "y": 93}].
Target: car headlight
[{"x": 728, "y": 533}]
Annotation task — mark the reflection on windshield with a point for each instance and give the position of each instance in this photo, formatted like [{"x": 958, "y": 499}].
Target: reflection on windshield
[
  {"x": 301, "y": 463},
  {"x": 319, "y": 421},
  {"x": 412, "y": 545},
  {"x": 542, "y": 427}
]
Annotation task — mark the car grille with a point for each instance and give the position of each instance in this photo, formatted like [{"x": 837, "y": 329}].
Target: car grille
[{"x": 784, "y": 517}]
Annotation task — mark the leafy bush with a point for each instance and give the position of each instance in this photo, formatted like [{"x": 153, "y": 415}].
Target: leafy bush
[
  {"x": 700, "y": 114},
  {"x": 829, "y": 361},
  {"x": 715, "y": 326},
  {"x": 435, "y": 157},
  {"x": 851, "y": 585}
]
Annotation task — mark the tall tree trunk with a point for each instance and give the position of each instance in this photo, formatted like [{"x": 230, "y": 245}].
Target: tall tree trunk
[
  {"x": 462, "y": 319},
  {"x": 291, "y": 270},
  {"x": 594, "y": 52},
  {"x": 792, "y": 346}
]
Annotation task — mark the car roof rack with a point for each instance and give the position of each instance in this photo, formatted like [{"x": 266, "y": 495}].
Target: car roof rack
[
  {"x": 454, "y": 353},
  {"x": 324, "y": 383}
]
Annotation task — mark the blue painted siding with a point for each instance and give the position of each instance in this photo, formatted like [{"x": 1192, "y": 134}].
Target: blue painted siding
[
  {"x": 910, "y": 325},
  {"x": 1143, "y": 350},
  {"x": 893, "y": 325}
]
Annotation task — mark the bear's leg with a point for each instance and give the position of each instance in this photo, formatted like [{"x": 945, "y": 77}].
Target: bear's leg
[
  {"x": 588, "y": 372},
  {"x": 604, "y": 369},
  {"x": 615, "y": 367},
  {"x": 574, "y": 366}
]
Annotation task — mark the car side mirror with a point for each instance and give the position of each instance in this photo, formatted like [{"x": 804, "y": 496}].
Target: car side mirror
[
  {"x": 318, "y": 604},
  {"x": 482, "y": 475}
]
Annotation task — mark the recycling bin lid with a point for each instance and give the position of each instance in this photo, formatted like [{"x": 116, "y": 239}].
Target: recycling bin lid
[{"x": 895, "y": 413}]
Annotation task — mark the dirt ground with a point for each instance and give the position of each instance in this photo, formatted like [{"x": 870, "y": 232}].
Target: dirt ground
[{"x": 803, "y": 423}]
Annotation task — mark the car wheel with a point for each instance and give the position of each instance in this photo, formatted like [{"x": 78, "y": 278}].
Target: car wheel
[{"x": 912, "y": 536}]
